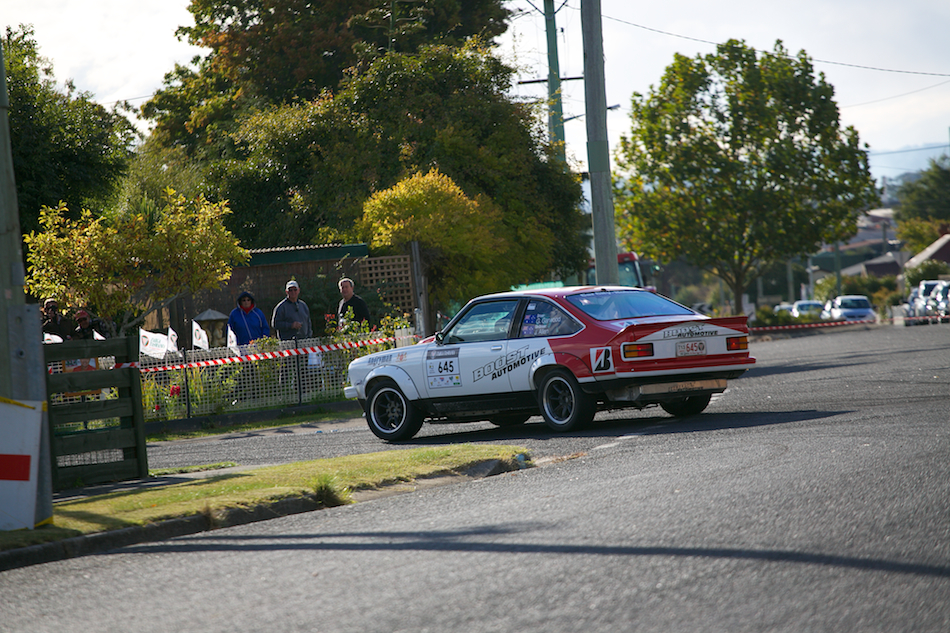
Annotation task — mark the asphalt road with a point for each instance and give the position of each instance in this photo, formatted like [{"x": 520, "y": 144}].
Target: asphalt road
[{"x": 814, "y": 495}]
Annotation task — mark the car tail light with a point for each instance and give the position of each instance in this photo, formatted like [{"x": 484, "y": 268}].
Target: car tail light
[
  {"x": 737, "y": 343},
  {"x": 636, "y": 350}
]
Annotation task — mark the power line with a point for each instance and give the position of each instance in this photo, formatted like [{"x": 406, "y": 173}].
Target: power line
[
  {"x": 904, "y": 151},
  {"x": 822, "y": 61}
]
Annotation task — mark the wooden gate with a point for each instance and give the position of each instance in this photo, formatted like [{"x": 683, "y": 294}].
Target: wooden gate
[{"x": 97, "y": 430}]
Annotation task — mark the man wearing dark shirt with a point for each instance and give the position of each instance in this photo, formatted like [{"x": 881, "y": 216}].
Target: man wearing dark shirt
[
  {"x": 351, "y": 300},
  {"x": 55, "y": 323}
]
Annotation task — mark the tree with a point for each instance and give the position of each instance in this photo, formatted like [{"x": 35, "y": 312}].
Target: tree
[
  {"x": 127, "y": 266},
  {"x": 310, "y": 167},
  {"x": 463, "y": 249},
  {"x": 923, "y": 206},
  {"x": 927, "y": 198},
  {"x": 737, "y": 161},
  {"x": 274, "y": 52},
  {"x": 65, "y": 147}
]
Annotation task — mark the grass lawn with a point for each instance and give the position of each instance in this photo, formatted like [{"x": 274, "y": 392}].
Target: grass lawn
[{"x": 328, "y": 481}]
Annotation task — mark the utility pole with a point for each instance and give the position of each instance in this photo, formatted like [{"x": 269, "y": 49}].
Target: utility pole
[
  {"x": 555, "y": 110},
  {"x": 598, "y": 149},
  {"x": 22, "y": 371}
]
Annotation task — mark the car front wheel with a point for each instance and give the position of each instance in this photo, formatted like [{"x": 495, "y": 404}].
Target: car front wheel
[
  {"x": 564, "y": 405},
  {"x": 390, "y": 415},
  {"x": 686, "y": 406}
]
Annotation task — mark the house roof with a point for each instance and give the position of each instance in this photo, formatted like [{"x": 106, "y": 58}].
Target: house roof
[{"x": 939, "y": 250}]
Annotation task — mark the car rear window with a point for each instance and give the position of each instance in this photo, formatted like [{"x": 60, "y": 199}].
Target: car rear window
[
  {"x": 625, "y": 304},
  {"x": 855, "y": 304}
]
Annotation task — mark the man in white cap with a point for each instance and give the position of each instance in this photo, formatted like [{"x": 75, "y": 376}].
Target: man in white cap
[{"x": 291, "y": 318}]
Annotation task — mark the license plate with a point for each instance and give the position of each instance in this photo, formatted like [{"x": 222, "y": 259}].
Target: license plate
[{"x": 691, "y": 348}]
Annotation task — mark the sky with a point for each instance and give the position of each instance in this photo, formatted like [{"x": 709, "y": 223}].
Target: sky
[{"x": 889, "y": 62}]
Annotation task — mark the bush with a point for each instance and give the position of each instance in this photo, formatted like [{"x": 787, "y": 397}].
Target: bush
[
  {"x": 930, "y": 269},
  {"x": 825, "y": 288}
]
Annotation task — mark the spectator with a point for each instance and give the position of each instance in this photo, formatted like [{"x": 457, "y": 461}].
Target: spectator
[
  {"x": 85, "y": 329},
  {"x": 291, "y": 318},
  {"x": 351, "y": 300},
  {"x": 247, "y": 321},
  {"x": 55, "y": 323}
]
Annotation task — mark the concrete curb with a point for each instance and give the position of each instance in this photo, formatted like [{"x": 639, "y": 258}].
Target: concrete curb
[{"x": 105, "y": 541}]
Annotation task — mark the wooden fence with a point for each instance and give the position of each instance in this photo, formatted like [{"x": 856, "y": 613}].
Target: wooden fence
[{"x": 97, "y": 430}]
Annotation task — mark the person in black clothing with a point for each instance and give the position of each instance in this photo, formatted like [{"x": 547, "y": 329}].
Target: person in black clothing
[
  {"x": 351, "y": 300},
  {"x": 55, "y": 323},
  {"x": 85, "y": 330}
]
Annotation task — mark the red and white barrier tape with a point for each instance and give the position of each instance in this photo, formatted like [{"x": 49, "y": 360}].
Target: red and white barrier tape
[
  {"x": 773, "y": 328},
  {"x": 259, "y": 356}
]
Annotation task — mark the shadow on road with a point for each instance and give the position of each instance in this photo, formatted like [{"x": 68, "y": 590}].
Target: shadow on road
[
  {"x": 535, "y": 429},
  {"x": 467, "y": 541}
]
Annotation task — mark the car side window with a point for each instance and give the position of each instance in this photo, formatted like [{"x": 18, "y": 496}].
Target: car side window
[
  {"x": 486, "y": 321},
  {"x": 546, "y": 319}
]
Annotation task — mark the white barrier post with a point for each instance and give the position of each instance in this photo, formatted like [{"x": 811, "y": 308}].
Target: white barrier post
[{"x": 20, "y": 426}]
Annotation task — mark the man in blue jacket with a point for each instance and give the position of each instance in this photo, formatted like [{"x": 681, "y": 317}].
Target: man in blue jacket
[{"x": 247, "y": 321}]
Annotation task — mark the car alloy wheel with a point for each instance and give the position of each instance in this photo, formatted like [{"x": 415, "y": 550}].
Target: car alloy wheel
[
  {"x": 563, "y": 403},
  {"x": 389, "y": 413}
]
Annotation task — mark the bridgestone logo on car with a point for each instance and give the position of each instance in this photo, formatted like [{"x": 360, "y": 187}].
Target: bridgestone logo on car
[{"x": 503, "y": 364}]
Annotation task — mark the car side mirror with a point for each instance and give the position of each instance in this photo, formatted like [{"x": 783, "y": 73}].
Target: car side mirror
[{"x": 440, "y": 338}]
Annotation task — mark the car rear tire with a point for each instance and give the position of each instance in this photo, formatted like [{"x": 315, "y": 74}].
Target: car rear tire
[
  {"x": 564, "y": 405},
  {"x": 509, "y": 420},
  {"x": 687, "y": 406},
  {"x": 390, "y": 415}
]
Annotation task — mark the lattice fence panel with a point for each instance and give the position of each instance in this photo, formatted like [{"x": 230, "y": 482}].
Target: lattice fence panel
[{"x": 393, "y": 277}]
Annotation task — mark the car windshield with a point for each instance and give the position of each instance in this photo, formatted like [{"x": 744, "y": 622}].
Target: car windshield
[
  {"x": 605, "y": 305},
  {"x": 855, "y": 304}
]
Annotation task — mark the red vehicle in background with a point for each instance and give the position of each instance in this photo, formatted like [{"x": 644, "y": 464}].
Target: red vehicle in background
[{"x": 630, "y": 273}]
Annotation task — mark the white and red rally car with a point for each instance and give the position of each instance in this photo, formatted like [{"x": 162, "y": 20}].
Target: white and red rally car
[{"x": 562, "y": 353}]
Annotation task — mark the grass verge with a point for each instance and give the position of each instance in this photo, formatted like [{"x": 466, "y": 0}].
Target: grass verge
[{"x": 328, "y": 481}]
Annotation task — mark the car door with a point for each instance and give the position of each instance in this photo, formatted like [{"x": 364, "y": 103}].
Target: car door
[{"x": 470, "y": 363}]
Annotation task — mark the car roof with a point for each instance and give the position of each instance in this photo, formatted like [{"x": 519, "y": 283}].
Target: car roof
[{"x": 552, "y": 293}]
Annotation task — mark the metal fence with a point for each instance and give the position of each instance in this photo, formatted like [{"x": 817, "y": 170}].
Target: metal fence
[{"x": 215, "y": 381}]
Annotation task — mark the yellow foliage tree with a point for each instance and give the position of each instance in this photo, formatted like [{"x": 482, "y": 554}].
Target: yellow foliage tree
[
  {"x": 461, "y": 240},
  {"x": 132, "y": 264}
]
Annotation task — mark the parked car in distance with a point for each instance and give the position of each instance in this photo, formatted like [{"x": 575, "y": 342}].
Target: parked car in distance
[
  {"x": 924, "y": 289},
  {"x": 782, "y": 307},
  {"x": 561, "y": 353},
  {"x": 849, "y": 308},
  {"x": 806, "y": 308},
  {"x": 937, "y": 308}
]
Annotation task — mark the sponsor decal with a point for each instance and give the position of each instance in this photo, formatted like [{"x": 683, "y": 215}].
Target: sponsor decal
[
  {"x": 506, "y": 363},
  {"x": 601, "y": 360},
  {"x": 385, "y": 359},
  {"x": 442, "y": 368},
  {"x": 689, "y": 331}
]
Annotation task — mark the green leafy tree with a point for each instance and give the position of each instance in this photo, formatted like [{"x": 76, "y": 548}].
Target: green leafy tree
[
  {"x": 923, "y": 206},
  {"x": 130, "y": 265},
  {"x": 271, "y": 52},
  {"x": 927, "y": 198},
  {"x": 736, "y": 161},
  {"x": 65, "y": 147},
  {"x": 461, "y": 241},
  {"x": 918, "y": 233},
  {"x": 310, "y": 167}
]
